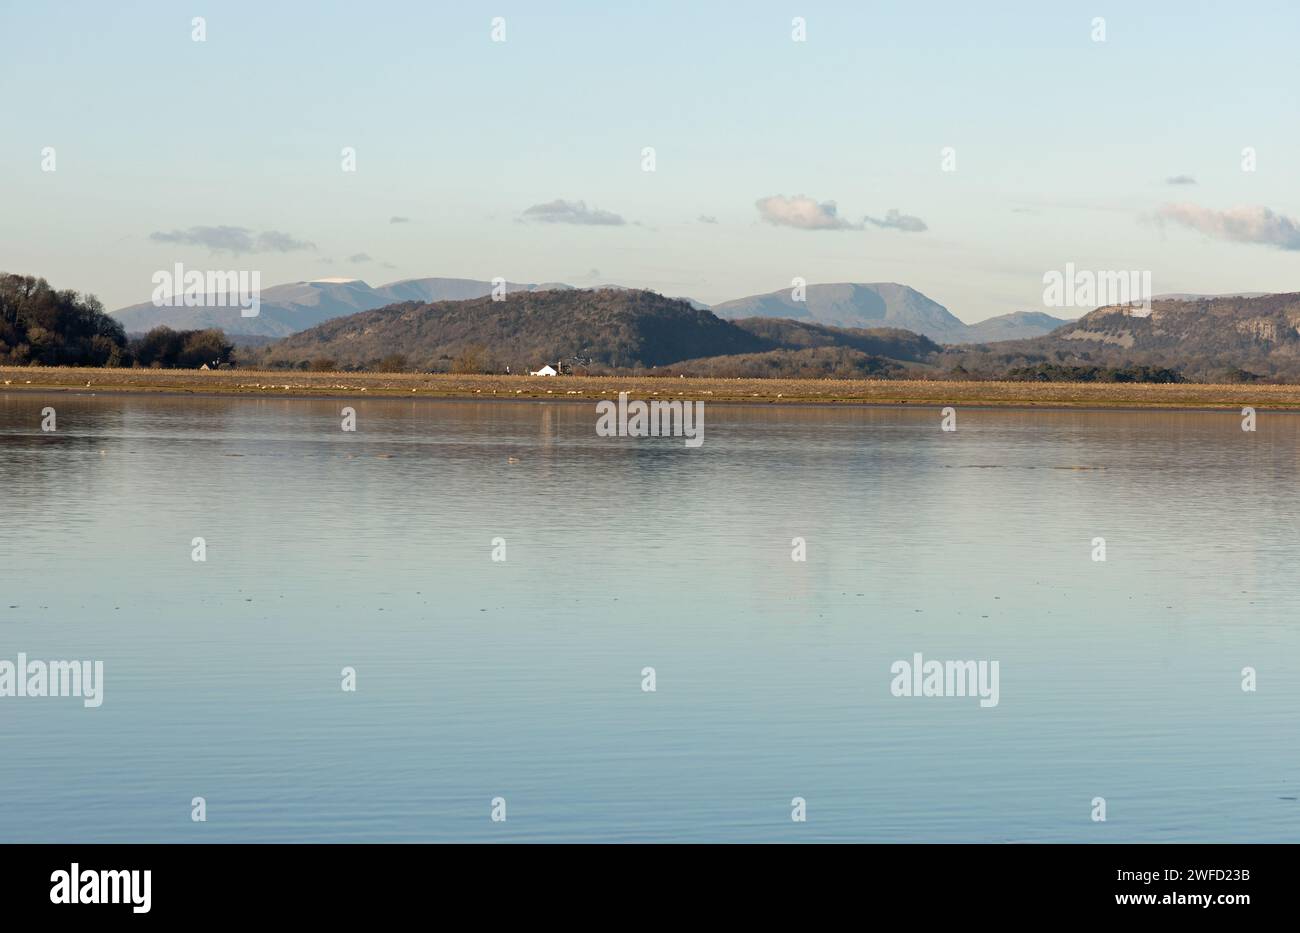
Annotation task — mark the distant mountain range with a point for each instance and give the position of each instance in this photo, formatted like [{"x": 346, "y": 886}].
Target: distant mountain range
[
  {"x": 291, "y": 308},
  {"x": 886, "y": 304},
  {"x": 1207, "y": 339},
  {"x": 288, "y": 309},
  {"x": 852, "y": 305}
]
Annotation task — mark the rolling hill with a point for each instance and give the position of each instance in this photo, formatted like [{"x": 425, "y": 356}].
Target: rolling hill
[
  {"x": 592, "y": 329},
  {"x": 891, "y": 342},
  {"x": 1247, "y": 328},
  {"x": 609, "y": 328},
  {"x": 1018, "y": 325},
  {"x": 1207, "y": 339}
]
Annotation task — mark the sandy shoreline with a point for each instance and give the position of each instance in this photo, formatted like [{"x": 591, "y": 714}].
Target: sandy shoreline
[{"x": 771, "y": 391}]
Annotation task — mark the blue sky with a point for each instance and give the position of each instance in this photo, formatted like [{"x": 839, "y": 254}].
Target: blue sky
[{"x": 1064, "y": 146}]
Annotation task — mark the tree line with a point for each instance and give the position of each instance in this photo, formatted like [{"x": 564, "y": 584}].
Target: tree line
[{"x": 42, "y": 326}]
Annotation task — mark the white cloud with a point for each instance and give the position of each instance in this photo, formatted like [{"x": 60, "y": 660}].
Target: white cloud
[
  {"x": 233, "y": 240},
  {"x": 801, "y": 212},
  {"x": 805, "y": 213},
  {"x": 1237, "y": 225}
]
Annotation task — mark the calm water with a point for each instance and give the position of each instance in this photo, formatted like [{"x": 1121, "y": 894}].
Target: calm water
[{"x": 522, "y": 679}]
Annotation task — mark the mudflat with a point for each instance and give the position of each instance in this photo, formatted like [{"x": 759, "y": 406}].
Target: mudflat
[{"x": 774, "y": 391}]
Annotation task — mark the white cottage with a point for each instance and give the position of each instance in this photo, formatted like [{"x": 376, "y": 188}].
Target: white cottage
[{"x": 547, "y": 370}]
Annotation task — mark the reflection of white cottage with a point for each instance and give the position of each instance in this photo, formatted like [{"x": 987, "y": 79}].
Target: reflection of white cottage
[{"x": 547, "y": 370}]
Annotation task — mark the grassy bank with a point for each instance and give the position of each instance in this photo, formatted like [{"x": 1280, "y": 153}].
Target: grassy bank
[{"x": 775, "y": 391}]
